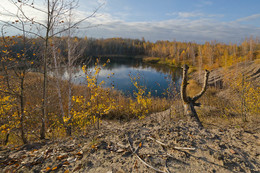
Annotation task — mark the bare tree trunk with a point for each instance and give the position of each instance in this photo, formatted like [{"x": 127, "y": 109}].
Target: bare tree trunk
[
  {"x": 58, "y": 82},
  {"x": 200, "y": 62},
  {"x": 188, "y": 102},
  {"x": 6, "y": 138},
  {"x": 22, "y": 110},
  {"x": 68, "y": 127},
  {"x": 44, "y": 93},
  {"x": 69, "y": 65}
]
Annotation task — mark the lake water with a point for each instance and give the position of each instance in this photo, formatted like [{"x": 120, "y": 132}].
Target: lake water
[{"x": 157, "y": 79}]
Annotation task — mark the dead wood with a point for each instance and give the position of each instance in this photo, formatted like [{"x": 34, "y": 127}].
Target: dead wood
[
  {"x": 189, "y": 103},
  {"x": 146, "y": 164}
]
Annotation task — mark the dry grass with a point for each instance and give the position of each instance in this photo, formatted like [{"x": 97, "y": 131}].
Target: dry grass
[
  {"x": 214, "y": 112},
  {"x": 33, "y": 102},
  {"x": 219, "y": 107}
]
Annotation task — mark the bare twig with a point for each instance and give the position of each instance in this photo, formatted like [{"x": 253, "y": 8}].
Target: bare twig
[
  {"x": 146, "y": 164},
  {"x": 122, "y": 146},
  {"x": 166, "y": 145}
]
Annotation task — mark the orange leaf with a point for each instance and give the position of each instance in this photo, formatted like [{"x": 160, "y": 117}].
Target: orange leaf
[
  {"x": 54, "y": 168},
  {"x": 232, "y": 151},
  {"x": 135, "y": 165},
  {"x": 48, "y": 168},
  {"x": 79, "y": 153},
  {"x": 66, "y": 163},
  {"x": 140, "y": 144},
  {"x": 62, "y": 157}
]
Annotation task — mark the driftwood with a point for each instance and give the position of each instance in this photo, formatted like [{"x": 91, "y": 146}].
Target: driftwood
[{"x": 188, "y": 102}]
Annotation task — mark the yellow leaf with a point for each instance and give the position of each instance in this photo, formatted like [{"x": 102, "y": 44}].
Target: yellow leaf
[
  {"x": 93, "y": 146},
  {"x": 4, "y": 131},
  {"x": 67, "y": 171}
]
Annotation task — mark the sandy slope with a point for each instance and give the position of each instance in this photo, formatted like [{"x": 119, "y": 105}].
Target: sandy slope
[
  {"x": 107, "y": 150},
  {"x": 250, "y": 69}
]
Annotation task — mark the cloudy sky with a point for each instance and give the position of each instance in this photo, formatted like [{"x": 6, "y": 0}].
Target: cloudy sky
[{"x": 181, "y": 20}]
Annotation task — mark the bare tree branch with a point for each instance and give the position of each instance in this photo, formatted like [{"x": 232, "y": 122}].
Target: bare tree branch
[
  {"x": 146, "y": 164},
  {"x": 184, "y": 83},
  {"x": 204, "y": 88}
]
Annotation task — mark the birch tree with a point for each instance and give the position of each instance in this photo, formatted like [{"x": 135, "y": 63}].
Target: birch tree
[{"x": 48, "y": 23}]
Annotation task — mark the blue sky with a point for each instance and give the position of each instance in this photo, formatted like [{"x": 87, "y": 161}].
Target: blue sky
[{"x": 181, "y": 20}]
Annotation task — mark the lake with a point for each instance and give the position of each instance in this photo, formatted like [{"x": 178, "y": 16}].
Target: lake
[{"x": 156, "y": 78}]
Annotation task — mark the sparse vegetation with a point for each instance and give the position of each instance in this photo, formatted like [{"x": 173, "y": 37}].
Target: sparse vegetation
[
  {"x": 91, "y": 103},
  {"x": 49, "y": 124}
]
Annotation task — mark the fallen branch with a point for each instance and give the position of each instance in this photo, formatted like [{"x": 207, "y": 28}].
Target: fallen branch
[
  {"x": 146, "y": 164},
  {"x": 166, "y": 145},
  {"x": 184, "y": 148},
  {"x": 122, "y": 146},
  {"x": 159, "y": 142}
]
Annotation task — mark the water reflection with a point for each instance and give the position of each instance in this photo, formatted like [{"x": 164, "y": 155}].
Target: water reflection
[{"x": 156, "y": 78}]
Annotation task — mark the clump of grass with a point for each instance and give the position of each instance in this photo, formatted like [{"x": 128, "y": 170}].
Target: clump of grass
[
  {"x": 193, "y": 88},
  {"x": 151, "y": 59}
]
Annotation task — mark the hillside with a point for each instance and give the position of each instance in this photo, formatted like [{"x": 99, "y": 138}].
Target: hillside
[
  {"x": 108, "y": 150},
  {"x": 251, "y": 71},
  {"x": 161, "y": 142}
]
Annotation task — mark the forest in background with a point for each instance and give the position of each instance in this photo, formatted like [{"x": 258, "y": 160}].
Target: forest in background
[{"x": 209, "y": 55}]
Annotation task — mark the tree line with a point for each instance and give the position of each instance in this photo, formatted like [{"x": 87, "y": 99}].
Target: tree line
[{"x": 208, "y": 55}]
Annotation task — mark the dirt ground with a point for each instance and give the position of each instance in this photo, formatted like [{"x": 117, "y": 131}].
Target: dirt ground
[{"x": 159, "y": 143}]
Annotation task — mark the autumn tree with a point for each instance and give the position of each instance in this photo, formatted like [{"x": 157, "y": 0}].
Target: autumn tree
[
  {"x": 48, "y": 24},
  {"x": 14, "y": 68}
]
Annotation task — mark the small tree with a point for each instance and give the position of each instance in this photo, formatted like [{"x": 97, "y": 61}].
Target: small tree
[
  {"x": 139, "y": 106},
  {"x": 55, "y": 13},
  {"x": 14, "y": 67}
]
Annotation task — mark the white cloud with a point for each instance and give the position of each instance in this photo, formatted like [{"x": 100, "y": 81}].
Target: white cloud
[
  {"x": 11, "y": 10},
  {"x": 252, "y": 17},
  {"x": 186, "y": 26},
  {"x": 189, "y": 14},
  {"x": 203, "y": 3},
  {"x": 207, "y": 2},
  {"x": 193, "y": 14},
  {"x": 199, "y": 30}
]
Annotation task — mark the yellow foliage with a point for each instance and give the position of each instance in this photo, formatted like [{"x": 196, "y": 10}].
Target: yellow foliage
[
  {"x": 142, "y": 102},
  {"x": 9, "y": 117},
  {"x": 89, "y": 109},
  {"x": 248, "y": 101}
]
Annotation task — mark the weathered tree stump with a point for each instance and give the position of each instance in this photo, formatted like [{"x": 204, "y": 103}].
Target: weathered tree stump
[{"x": 188, "y": 102}]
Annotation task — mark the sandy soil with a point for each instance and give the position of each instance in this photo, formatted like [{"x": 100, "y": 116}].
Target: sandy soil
[{"x": 155, "y": 143}]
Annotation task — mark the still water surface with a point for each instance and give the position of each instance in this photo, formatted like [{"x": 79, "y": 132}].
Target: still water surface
[{"x": 154, "y": 77}]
